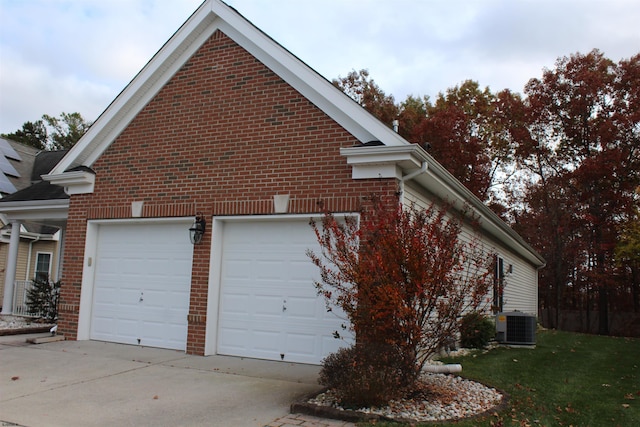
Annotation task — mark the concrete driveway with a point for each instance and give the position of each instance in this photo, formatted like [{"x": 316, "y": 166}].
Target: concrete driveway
[{"x": 90, "y": 383}]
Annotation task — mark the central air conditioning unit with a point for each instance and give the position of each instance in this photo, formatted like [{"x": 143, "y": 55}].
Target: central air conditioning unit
[{"x": 516, "y": 328}]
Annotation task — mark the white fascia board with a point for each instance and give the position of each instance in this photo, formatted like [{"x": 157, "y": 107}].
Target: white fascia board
[
  {"x": 375, "y": 161},
  {"x": 75, "y": 182},
  {"x": 54, "y": 209}
]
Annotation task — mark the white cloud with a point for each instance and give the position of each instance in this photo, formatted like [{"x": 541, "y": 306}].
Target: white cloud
[
  {"x": 29, "y": 91},
  {"x": 77, "y": 55},
  {"x": 71, "y": 56}
]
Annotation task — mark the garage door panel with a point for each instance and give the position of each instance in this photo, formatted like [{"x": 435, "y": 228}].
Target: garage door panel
[
  {"x": 267, "y": 305},
  {"x": 237, "y": 269},
  {"x": 109, "y": 264},
  {"x": 235, "y": 303},
  {"x": 168, "y": 271},
  {"x": 127, "y": 295},
  {"x": 302, "y": 347},
  {"x": 106, "y": 296},
  {"x": 167, "y": 299},
  {"x": 142, "y": 284},
  {"x": 235, "y": 338},
  {"x": 245, "y": 338},
  {"x": 268, "y": 269},
  {"x": 265, "y": 339},
  {"x": 127, "y": 327},
  {"x": 181, "y": 298},
  {"x": 154, "y": 298},
  {"x": 302, "y": 308},
  {"x": 155, "y": 331},
  {"x": 103, "y": 326}
]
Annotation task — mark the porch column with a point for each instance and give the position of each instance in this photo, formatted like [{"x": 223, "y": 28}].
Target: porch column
[
  {"x": 10, "y": 272},
  {"x": 63, "y": 233}
]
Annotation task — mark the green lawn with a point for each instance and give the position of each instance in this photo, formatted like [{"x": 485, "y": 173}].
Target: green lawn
[{"x": 567, "y": 380}]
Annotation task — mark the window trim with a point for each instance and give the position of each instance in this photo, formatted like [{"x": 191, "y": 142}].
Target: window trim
[{"x": 36, "y": 264}]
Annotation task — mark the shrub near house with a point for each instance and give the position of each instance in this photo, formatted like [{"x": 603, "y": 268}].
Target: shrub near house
[{"x": 404, "y": 277}]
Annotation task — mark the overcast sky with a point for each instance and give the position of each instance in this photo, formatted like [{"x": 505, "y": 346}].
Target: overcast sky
[{"x": 77, "y": 55}]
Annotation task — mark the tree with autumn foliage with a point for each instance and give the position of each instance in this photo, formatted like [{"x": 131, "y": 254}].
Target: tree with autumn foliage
[
  {"x": 466, "y": 134},
  {"x": 561, "y": 164},
  {"x": 582, "y": 152},
  {"x": 363, "y": 89},
  {"x": 467, "y": 129},
  {"x": 403, "y": 277}
]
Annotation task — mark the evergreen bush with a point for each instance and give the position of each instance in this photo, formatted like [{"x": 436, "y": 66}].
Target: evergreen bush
[
  {"x": 476, "y": 330},
  {"x": 42, "y": 298}
]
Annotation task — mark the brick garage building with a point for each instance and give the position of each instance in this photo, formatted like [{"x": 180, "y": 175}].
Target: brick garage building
[{"x": 225, "y": 123}]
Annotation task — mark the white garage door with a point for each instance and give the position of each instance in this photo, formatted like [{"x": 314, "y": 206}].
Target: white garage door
[
  {"x": 142, "y": 284},
  {"x": 269, "y": 308}
]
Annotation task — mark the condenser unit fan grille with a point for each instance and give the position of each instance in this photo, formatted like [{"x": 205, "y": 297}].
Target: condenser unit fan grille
[
  {"x": 521, "y": 329},
  {"x": 516, "y": 328}
]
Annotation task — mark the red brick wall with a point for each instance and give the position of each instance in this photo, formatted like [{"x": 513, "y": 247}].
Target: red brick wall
[{"x": 222, "y": 137}]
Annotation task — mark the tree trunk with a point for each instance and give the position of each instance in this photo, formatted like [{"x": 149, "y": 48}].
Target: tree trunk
[
  {"x": 635, "y": 283},
  {"x": 603, "y": 311},
  {"x": 588, "y": 328}
]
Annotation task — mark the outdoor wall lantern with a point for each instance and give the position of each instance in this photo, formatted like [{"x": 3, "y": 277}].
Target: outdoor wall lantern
[{"x": 197, "y": 229}]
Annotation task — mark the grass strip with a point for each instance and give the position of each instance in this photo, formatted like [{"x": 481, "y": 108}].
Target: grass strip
[{"x": 569, "y": 379}]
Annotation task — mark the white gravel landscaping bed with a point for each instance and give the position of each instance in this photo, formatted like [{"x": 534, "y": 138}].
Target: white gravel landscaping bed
[
  {"x": 10, "y": 323},
  {"x": 451, "y": 397}
]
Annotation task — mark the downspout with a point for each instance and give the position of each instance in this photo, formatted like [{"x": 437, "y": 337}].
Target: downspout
[
  {"x": 410, "y": 176},
  {"x": 59, "y": 266}
]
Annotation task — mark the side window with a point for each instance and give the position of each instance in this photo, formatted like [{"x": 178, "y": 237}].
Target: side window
[
  {"x": 498, "y": 285},
  {"x": 43, "y": 266}
]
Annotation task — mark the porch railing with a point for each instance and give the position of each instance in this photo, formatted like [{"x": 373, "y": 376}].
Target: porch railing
[{"x": 20, "y": 297}]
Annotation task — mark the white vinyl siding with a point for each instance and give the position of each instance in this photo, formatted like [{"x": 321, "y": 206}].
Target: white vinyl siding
[{"x": 521, "y": 285}]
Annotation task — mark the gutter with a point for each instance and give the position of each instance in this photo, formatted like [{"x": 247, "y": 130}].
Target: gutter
[{"x": 386, "y": 161}]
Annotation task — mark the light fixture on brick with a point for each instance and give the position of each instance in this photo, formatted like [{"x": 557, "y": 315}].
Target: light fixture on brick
[{"x": 197, "y": 229}]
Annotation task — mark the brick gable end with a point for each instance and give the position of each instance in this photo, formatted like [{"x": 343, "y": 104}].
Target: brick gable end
[{"x": 223, "y": 136}]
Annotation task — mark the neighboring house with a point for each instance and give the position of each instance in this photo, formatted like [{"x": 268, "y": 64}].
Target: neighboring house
[
  {"x": 37, "y": 255},
  {"x": 16, "y": 165},
  {"x": 225, "y": 123}
]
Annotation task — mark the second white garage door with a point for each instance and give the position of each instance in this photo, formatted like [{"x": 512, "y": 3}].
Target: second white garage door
[
  {"x": 142, "y": 284},
  {"x": 269, "y": 307}
]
